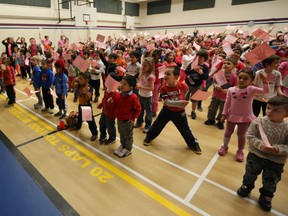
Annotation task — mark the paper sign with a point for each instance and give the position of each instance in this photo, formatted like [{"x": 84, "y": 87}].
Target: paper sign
[
  {"x": 259, "y": 53},
  {"x": 86, "y": 113},
  {"x": 262, "y": 34},
  {"x": 220, "y": 78},
  {"x": 215, "y": 61},
  {"x": 231, "y": 39},
  {"x": 161, "y": 70},
  {"x": 111, "y": 84},
  {"x": 100, "y": 38},
  {"x": 81, "y": 64},
  {"x": 194, "y": 63},
  {"x": 201, "y": 95},
  {"x": 67, "y": 57},
  {"x": 197, "y": 47},
  {"x": 263, "y": 135},
  {"x": 227, "y": 49},
  {"x": 27, "y": 91},
  {"x": 53, "y": 93}
]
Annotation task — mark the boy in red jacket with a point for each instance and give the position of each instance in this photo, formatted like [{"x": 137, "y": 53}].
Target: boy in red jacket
[
  {"x": 127, "y": 110},
  {"x": 9, "y": 81},
  {"x": 107, "y": 119}
]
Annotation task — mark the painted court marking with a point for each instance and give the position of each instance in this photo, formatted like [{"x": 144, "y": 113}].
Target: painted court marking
[{"x": 192, "y": 192}]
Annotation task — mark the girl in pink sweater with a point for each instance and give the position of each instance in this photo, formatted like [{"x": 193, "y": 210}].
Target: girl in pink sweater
[{"x": 238, "y": 110}]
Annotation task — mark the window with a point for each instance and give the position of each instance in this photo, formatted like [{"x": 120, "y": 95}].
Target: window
[
  {"x": 132, "y": 9},
  {"x": 159, "y": 7},
  {"x": 108, "y": 6},
  {"x": 198, "y": 4},
  {"x": 238, "y": 2},
  {"x": 65, "y": 4},
  {"x": 37, "y": 3}
]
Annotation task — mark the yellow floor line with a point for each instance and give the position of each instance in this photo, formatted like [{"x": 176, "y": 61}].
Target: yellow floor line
[{"x": 171, "y": 206}]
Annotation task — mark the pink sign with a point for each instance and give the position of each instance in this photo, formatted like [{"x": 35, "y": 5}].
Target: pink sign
[
  {"x": 194, "y": 63},
  {"x": 197, "y": 47},
  {"x": 263, "y": 135},
  {"x": 262, "y": 34},
  {"x": 201, "y": 95},
  {"x": 100, "y": 38},
  {"x": 259, "y": 53},
  {"x": 231, "y": 39},
  {"x": 67, "y": 57},
  {"x": 220, "y": 78},
  {"x": 53, "y": 93},
  {"x": 86, "y": 113},
  {"x": 27, "y": 91},
  {"x": 161, "y": 70},
  {"x": 81, "y": 64},
  {"x": 111, "y": 84},
  {"x": 227, "y": 49}
]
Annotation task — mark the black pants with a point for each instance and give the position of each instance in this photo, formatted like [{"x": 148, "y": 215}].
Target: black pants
[
  {"x": 47, "y": 98},
  {"x": 179, "y": 119},
  {"x": 257, "y": 106},
  {"x": 11, "y": 94},
  {"x": 91, "y": 124}
]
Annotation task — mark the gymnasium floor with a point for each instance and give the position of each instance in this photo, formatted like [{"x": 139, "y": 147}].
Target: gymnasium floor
[{"x": 165, "y": 178}]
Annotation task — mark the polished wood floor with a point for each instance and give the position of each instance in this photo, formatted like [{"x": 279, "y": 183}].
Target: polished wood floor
[{"x": 165, "y": 178}]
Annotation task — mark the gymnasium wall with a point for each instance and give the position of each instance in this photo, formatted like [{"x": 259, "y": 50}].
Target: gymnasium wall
[
  {"x": 27, "y": 21},
  {"x": 264, "y": 14}
]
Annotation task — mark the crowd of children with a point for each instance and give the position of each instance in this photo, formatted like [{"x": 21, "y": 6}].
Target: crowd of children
[{"x": 171, "y": 68}]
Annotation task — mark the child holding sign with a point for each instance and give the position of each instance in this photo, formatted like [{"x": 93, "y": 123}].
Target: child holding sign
[
  {"x": 222, "y": 81},
  {"x": 267, "y": 157},
  {"x": 238, "y": 110}
]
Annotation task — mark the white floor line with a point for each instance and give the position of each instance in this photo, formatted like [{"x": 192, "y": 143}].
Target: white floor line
[
  {"x": 195, "y": 188},
  {"x": 200, "y": 211},
  {"x": 200, "y": 180}
]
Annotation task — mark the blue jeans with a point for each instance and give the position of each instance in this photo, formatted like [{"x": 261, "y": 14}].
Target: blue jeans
[
  {"x": 146, "y": 104},
  {"x": 179, "y": 119},
  {"x": 270, "y": 177},
  {"x": 109, "y": 125}
]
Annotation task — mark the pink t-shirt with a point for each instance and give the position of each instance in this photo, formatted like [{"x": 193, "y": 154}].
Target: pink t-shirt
[{"x": 238, "y": 105}]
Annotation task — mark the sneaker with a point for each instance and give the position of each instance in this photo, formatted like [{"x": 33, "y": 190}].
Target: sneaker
[
  {"x": 137, "y": 125},
  {"x": 51, "y": 111},
  {"x": 265, "y": 202},
  {"x": 9, "y": 105},
  {"x": 220, "y": 125},
  {"x": 102, "y": 140},
  {"x": 37, "y": 106},
  {"x": 209, "y": 122},
  {"x": 239, "y": 156},
  {"x": 196, "y": 148},
  {"x": 124, "y": 153},
  {"x": 199, "y": 108},
  {"x": 109, "y": 141},
  {"x": 244, "y": 191},
  {"x": 223, "y": 150},
  {"x": 146, "y": 142},
  {"x": 193, "y": 115},
  {"x": 93, "y": 138},
  {"x": 58, "y": 114},
  {"x": 45, "y": 109},
  {"x": 118, "y": 150}
]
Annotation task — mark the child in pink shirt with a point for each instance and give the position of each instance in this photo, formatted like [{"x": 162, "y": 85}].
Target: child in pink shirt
[{"x": 238, "y": 110}]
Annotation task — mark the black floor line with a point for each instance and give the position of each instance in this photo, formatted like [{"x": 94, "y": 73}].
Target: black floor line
[
  {"x": 64, "y": 207},
  {"x": 37, "y": 138}
]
